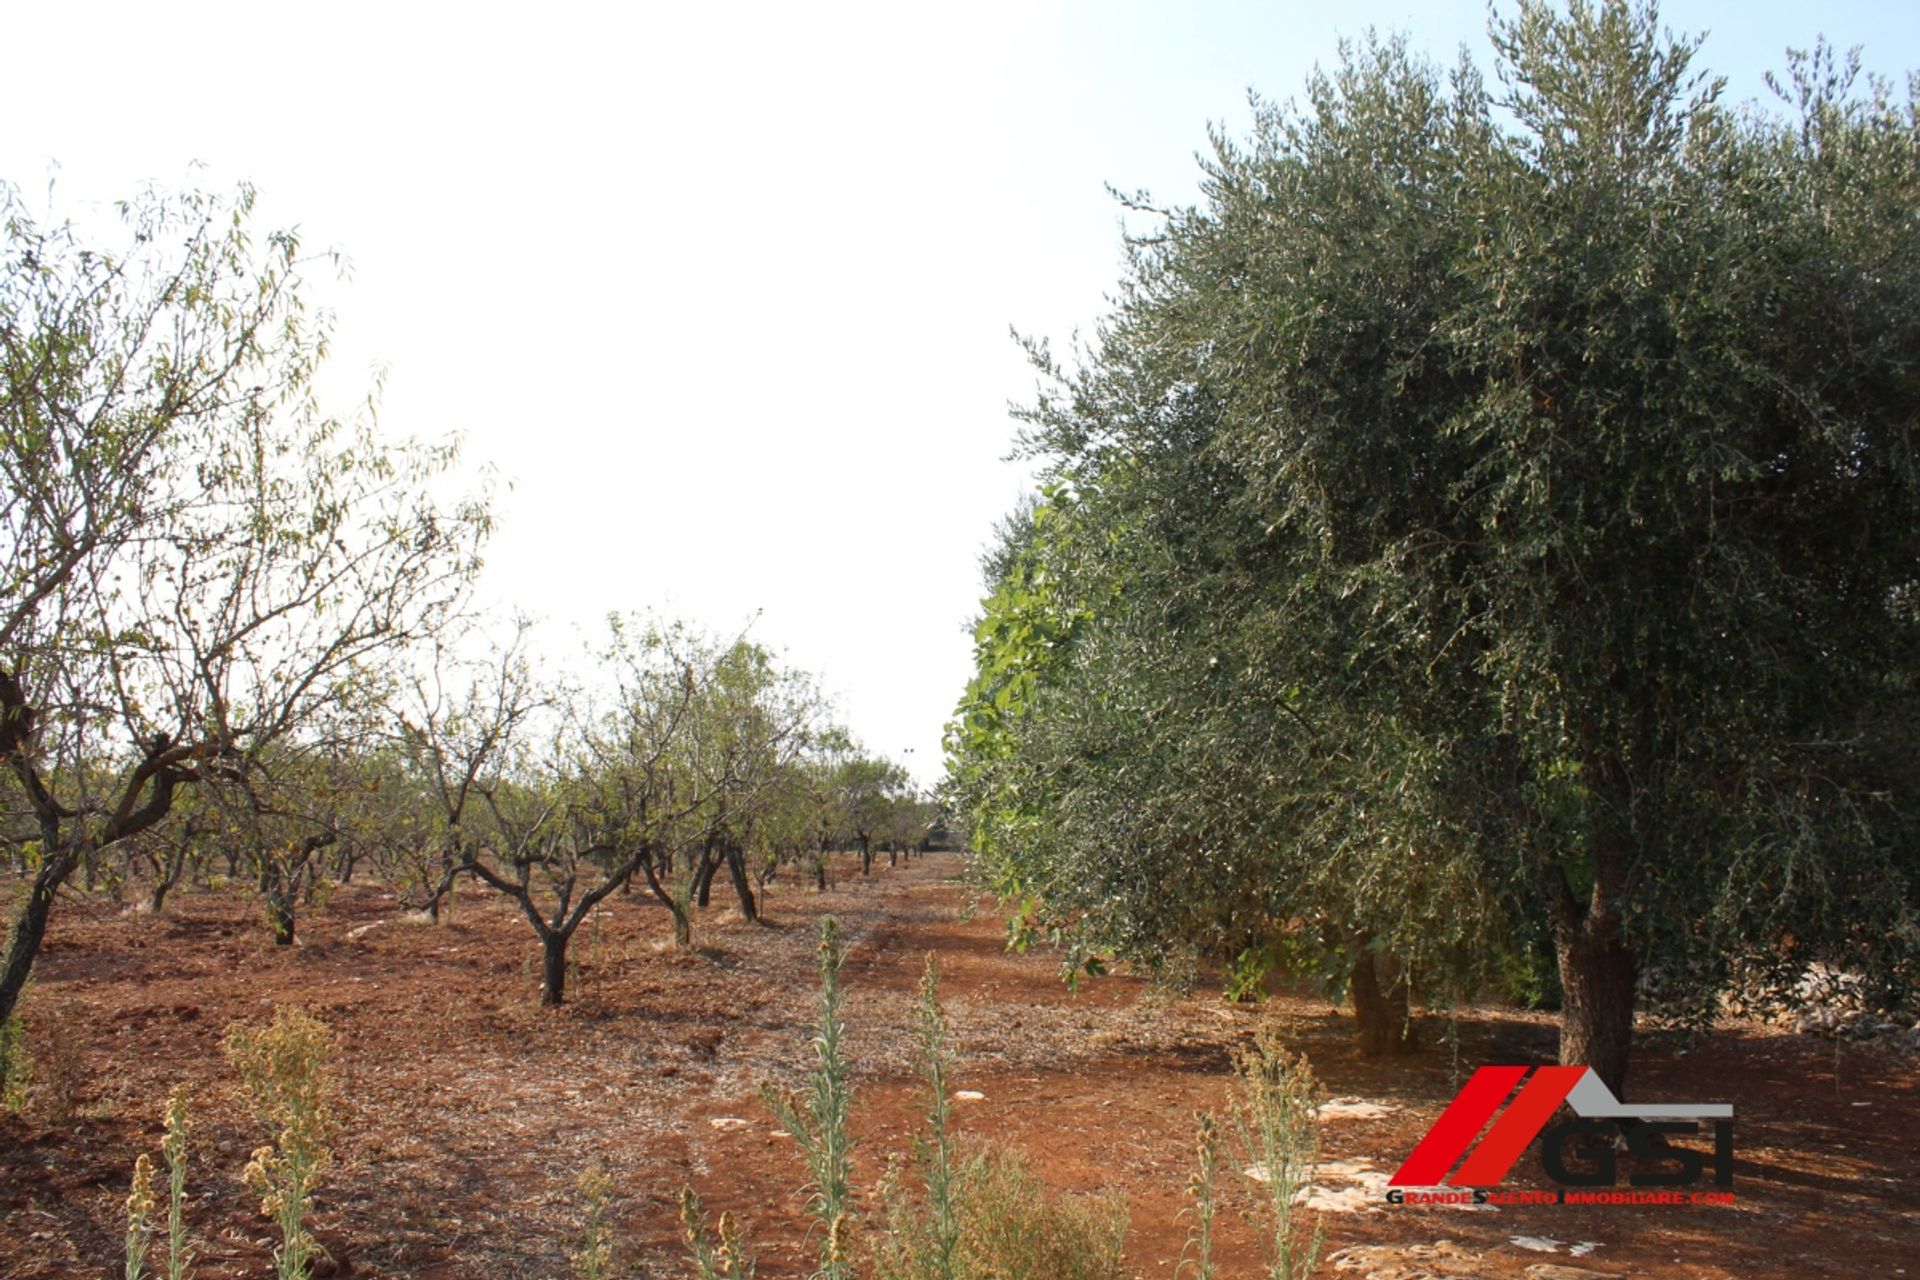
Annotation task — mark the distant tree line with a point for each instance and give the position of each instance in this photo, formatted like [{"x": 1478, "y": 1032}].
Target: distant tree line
[{"x": 238, "y": 634}]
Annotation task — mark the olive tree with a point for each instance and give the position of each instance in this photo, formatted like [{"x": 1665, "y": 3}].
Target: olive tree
[{"x": 1500, "y": 493}]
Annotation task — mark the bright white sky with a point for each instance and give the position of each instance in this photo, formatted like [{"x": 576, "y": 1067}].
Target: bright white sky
[{"x": 724, "y": 291}]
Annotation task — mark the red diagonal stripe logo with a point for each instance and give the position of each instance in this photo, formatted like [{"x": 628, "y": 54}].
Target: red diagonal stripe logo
[
  {"x": 1454, "y": 1131},
  {"x": 1524, "y": 1117}
]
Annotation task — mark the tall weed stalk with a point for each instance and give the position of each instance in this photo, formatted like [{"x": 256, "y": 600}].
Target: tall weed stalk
[
  {"x": 936, "y": 1152},
  {"x": 817, "y": 1118},
  {"x": 595, "y": 1259},
  {"x": 174, "y": 1149},
  {"x": 1275, "y": 1117},
  {"x": 1203, "y": 1187},
  {"x": 139, "y": 1218},
  {"x": 283, "y": 1071}
]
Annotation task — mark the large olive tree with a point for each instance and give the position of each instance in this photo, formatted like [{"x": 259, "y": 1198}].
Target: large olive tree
[{"x": 1492, "y": 514}]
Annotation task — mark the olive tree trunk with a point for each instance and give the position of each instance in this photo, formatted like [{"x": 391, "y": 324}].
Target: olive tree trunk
[
  {"x": 1597, "y": 971},
  {"x": 1382, "y": 1005},
  {"x": 1597, "y": 974}
]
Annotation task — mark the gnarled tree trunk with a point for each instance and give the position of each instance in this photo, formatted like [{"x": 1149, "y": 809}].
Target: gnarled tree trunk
[
  {"x": 28, "y": 929},
  {"x": 1597, "y": 974},
  {"x": 1597, "y": 970},
  {"x": 703, "y": 877}
]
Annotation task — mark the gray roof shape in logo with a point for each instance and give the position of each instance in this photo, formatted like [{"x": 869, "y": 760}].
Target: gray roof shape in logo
[{"x": 1594, "y": 1100}]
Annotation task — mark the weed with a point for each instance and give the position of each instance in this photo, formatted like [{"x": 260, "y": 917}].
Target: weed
[
  {"x": 139, "y": 1218},
  {"x": 40, "y": 1068},
  {"x": 174, "y": 1149},
  {"x": 58, "y": 1071},
  {"x": 16, "y": 1074},
  {"x": 718, "y": 1256},
  {"x": 282, "y": 1069},
  {"x": 595, "y": 1259},
  {"x": 935, "y": 1152},
  {"x": 921, "y": 1242},
  {"x": 987, "y": 1217},
  {"x": 1275, "y": 1120},
  {"x": 817, "y": 1120},
  {"x": 1013, "y": 1227},
  {"x": 1203, "y": 1188}
]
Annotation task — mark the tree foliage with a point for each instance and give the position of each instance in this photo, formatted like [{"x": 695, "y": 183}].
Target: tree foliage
[
  {"x": 1487, "y": 523},
  {"x": 201, "y": 566}
]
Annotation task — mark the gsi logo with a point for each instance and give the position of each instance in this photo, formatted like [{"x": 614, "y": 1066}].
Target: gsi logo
[{"x": 1526, "y": 1116}]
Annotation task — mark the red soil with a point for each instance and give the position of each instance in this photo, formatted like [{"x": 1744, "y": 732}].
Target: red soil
[{"x": 469, "y": 1112}]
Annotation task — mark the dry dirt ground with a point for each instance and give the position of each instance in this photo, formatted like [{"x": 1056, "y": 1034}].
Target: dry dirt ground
[{"x": 469, "y": 1112}]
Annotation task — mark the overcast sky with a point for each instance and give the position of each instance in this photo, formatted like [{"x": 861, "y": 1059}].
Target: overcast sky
[{"x": 724, "y": 292}]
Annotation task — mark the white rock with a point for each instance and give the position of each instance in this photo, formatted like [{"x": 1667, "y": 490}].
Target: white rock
[
  {"x": 1345, "y": 1170},
  {"x": 1343, "y": 1200}
]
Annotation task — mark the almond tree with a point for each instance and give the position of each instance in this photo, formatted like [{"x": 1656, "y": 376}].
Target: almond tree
[
  {"x": 871, "y": 789},
  {"x": 460, "y": 724},
  {"x": 198, "y": 562},
  {"x": 909, "y": 819},
  {"x": 604, "y": 797},
  {"x": 753, "y": 721}
]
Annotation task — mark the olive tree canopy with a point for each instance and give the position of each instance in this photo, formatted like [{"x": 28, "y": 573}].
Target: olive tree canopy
[{"x": 1490, "y": 519}]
